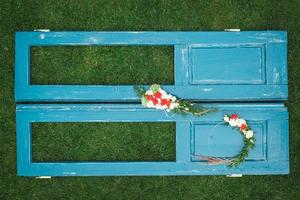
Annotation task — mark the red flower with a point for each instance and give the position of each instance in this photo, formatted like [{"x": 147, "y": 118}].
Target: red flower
[
  {"x": 234, "y": 116},
  {"x": 166, "y": 102},
  {"x": 151, "y": 98},
  {"x": 154, "y": 101},
  {"x": 157, "y": 95},
  {"x": 243, "y": 127},
  {"x": 148, "y": 97},
  {"x": 169, "y": 103}
]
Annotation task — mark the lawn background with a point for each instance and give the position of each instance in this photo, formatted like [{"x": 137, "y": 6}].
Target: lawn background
[{"x": 133, "y": 16}]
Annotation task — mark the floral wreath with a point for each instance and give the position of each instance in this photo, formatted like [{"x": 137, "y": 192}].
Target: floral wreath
[
  {"x": 156, "y": 97},
  {"x": 241, "y": 125}
]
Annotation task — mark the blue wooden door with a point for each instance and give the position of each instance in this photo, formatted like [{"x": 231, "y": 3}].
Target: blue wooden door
[
  {"x": 209, "y": 66},
  {"x": 248, "y": 65},
  {"x": 194, "y": 136}
]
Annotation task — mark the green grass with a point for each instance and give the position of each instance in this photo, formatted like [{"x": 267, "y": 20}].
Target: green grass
[
  {"x": 103, "y": 142},
  {"x": 102, "y": 65},
  {"x": 113, "y": 15}
]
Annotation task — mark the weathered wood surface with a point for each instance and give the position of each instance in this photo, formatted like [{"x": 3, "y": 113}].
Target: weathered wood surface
[
  {"x": 247, "y": 65},
  {"x": 209, "y": 66},
  {"x": 193, "y": 136}
]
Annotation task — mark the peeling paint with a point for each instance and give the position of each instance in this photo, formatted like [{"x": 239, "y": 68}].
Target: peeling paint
[
  {"x": 207, "y": 89},
  {"x": 42, "y": 36}
]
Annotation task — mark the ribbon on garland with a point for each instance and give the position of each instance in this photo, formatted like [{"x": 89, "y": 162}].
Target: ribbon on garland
[{"x": 157, "y": 98}]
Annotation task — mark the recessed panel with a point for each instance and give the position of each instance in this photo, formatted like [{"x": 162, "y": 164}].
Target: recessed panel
[
  {"x": 215, "y": 139},
  {"x": 227, "y": 65}
]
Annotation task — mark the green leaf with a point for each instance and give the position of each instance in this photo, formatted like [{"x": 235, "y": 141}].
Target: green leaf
[
  {"x": 140, "y": 91},
  {"x": 154, "y": 88},
  {"x": 144, "y": 100}
]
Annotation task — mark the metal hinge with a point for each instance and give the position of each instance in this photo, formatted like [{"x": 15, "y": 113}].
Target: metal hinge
[
  {"x": 42, "y": 30},
  {"x": 233, "y": 30},
  {"x": 43, "y": 177},
  {"x": 234, "y": 175}
]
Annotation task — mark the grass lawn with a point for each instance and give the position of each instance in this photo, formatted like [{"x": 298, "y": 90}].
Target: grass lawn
[{"x": 105, "y": 65}]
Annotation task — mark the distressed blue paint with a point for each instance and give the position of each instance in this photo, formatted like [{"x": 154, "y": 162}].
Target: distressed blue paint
[
  {"x": 276, "y": 62},
  {"x": 211, "y": 138},
  {"x": 247, "y": 65},
  {"x": 227, "y": 65},
  {"x": 150, "y": 38},
  {"x": 274, "y": 139},
  {"x": 209, "y": 66},
  {"x": 127, "y": 94},
  {"x": 23, "y": 146},
  {"x": 181, "y": 63},
  {"x": 183, "y": 142}
]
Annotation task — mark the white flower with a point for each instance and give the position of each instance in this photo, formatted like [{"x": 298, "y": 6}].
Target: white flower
[
  {"x": 252, "y": 141},
  {"x": 164, "y": 94},
  {"x": 169, "y": 96},
  {"x": 174, "y": 105},
  {"x": 159, "y": 107},
  {"x": 186, "y": 108},
  {"x": 149, "y": 92},
  {"x": 232, "y": 122},
  {"x": 226, "y": 118},
  {"x": 240, "y": 122},
  {"x": 164, "y": 106},
  {"x": 173, "y": 98},
  {"x": 249, "y": 134},
  {"x": 150, "y": 104}
]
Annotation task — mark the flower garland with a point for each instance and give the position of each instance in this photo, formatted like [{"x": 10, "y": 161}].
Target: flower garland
[
  {"x": 157, "y": 98},
  {"x": 241, "y": 125}
]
